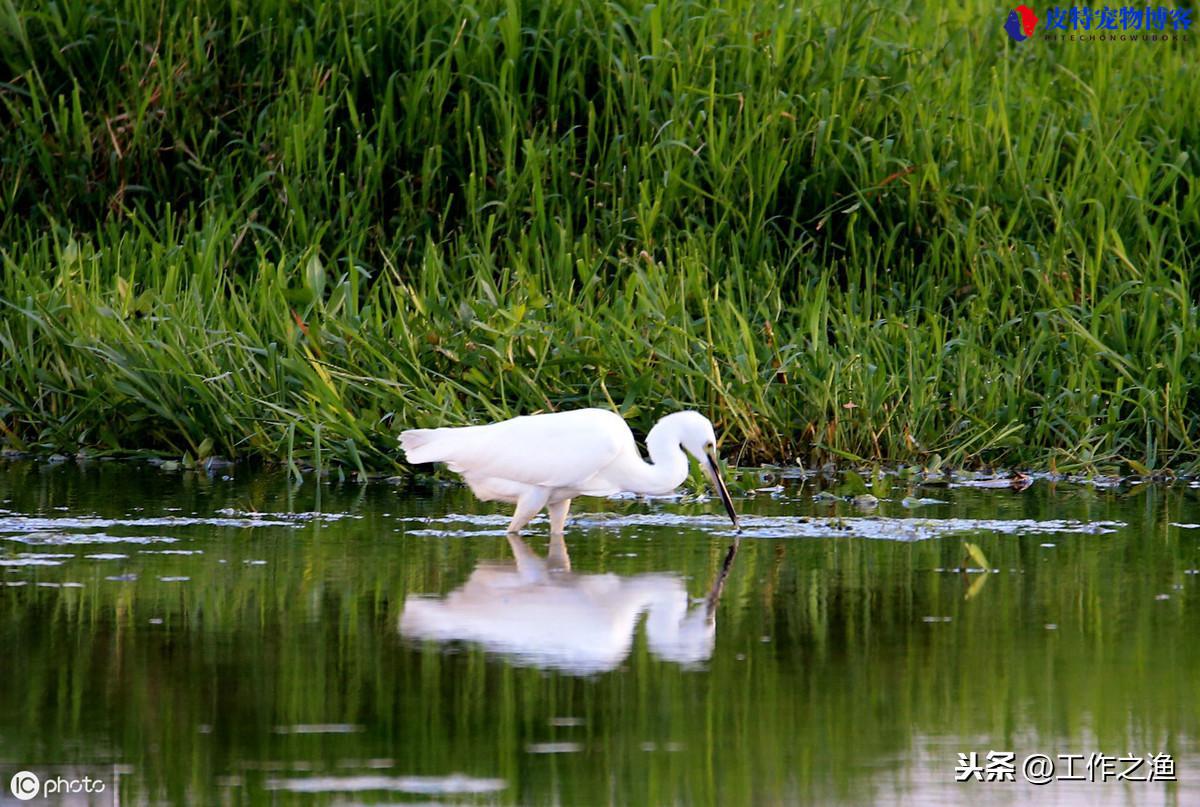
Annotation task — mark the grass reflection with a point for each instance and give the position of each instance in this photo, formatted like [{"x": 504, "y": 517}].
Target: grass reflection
[{"x": 839, "y": 667}]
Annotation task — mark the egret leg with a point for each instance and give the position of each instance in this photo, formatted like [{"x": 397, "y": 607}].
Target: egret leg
[
  {"x": 528, "y": 506},
  {"x": 558, "y": 515},
  {"x": 557, "y": 559},
  {"x": 530, "y": 567}
]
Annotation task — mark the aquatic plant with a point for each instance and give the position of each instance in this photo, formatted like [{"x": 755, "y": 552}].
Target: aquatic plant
[{"x": 845, "y": 232}]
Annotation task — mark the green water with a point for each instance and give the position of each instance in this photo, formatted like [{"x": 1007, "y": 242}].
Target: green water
[{"x": 197, "y": 639}]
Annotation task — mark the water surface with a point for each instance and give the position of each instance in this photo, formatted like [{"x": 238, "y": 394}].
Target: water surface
[{"x": 243, "y": 639}]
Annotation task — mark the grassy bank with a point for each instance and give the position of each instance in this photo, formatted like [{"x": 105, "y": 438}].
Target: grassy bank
[{"x": 886, "y": 232}]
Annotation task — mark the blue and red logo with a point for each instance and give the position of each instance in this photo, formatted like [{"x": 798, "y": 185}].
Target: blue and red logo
[
  {"x": 1107, "y": 23},
  {"x": 1020, "y": 23}
]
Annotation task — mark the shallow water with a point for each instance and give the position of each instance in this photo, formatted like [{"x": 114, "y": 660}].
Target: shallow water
[{"x": 197, "y": 640}]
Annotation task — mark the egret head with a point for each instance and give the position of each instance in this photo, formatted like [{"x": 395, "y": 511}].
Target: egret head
[{"x": 697, "y": 437}]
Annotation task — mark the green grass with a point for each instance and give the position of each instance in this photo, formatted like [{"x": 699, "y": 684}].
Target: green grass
[{"x": 853, "y": 231}]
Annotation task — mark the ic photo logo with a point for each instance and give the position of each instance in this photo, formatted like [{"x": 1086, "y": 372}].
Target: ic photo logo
[{"x": 25, "y": 785}]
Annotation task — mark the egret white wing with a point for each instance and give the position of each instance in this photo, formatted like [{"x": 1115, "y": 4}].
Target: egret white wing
[{"x": 559, "y": 449}]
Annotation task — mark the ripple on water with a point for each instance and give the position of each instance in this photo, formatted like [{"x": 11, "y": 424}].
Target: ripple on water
[
  {"x": 319, "y": 728},
  {"x": 89, "y": 530},
  {"x": 258, "y": 519},
  {"x": 873, "y": 527},
  {"x": 554, "y": 748},
  {"x": 425, "y": 785},
  {"x": 28, "y": 561},
  {"x": 84, "y": 539},
  {"x": 12, "y": 523}
]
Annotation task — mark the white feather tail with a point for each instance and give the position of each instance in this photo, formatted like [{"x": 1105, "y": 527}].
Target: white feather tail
[
  {"x": 423, "y": 445},
  {"x": 452, "y": 445}
]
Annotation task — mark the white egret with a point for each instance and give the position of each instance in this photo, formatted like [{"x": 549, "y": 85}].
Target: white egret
[
  {"x": 538, "y": 461},
  {"x": 503, "y": 608}
]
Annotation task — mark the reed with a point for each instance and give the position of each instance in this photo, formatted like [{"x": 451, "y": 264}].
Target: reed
[{"x": 858, "y": 232}]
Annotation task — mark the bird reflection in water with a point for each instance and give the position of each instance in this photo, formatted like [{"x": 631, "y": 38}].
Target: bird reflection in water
[{"x": 539, "y": 613}]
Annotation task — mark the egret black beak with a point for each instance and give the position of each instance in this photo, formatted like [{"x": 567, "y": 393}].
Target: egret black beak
[{"x": 714, "y": 474}]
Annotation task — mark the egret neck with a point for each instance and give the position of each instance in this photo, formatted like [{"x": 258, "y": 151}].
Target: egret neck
[{"x": 668, "y": 466}]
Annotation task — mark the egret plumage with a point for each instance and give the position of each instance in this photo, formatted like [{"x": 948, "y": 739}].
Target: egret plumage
[
  {"x": 503, "y": 607},
  {"x": 544, "y": 461}
]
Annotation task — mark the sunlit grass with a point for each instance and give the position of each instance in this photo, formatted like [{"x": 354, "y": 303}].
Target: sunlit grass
[{"x": 847, "y": 232}]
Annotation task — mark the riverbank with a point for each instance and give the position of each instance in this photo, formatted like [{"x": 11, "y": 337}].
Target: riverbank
[{"x": 854, "y": 235}]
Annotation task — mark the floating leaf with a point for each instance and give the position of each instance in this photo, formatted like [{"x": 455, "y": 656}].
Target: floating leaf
[
  {"x": 852, "y": 485},
  {"x": 977, "y": 585},
  {"x": 881, "y": 484},
  {"x": 977, "y": 555}
]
